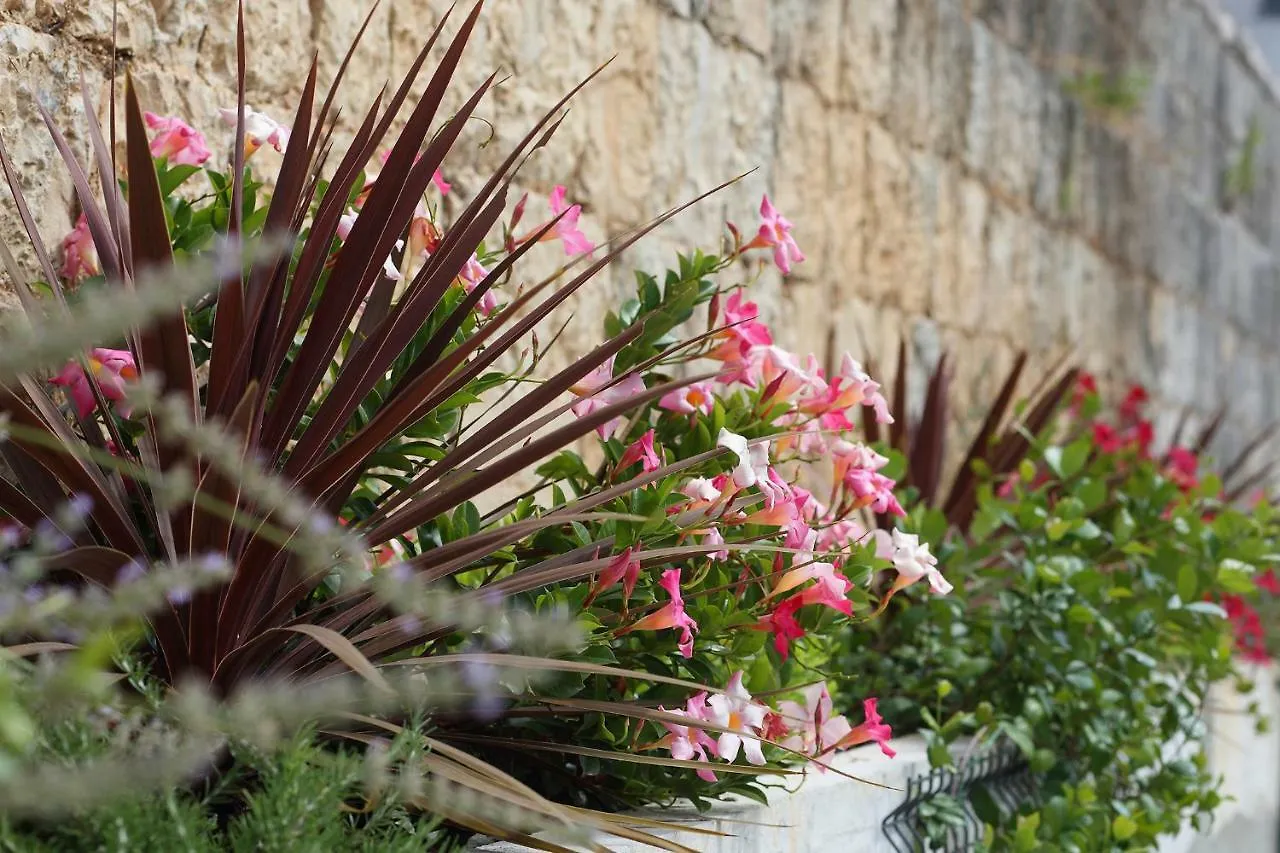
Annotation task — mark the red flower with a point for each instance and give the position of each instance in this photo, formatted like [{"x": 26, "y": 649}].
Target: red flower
[
  {"x": 1086, "y": 386},
  {"x": 782, "y": 622},
  {"x": 1141, "y": 435},
  {"x": 1106, "y": 438},
  {"x": 1181, "y": 468},
  {"x": 1131, "y": 408},
  {"x": 1268, "y": 582}
]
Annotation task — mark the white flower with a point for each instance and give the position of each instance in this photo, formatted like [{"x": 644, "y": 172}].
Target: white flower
[
  {"x": 914, "y": 562},
  {"x": 259, "y": 129},
  {"x": 745, "y": 474},
  {"x": 700, "y": 489}
]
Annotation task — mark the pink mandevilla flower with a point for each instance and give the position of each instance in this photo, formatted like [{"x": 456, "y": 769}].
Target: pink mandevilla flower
[
  {"x": 851, "y": 387},
  {"x": 814, "y": 729},
  {"x": 589, "y": 388},
  {"x": 624, "y": 567},
  {"x": 691, "y": 742},
  {"x": 79, "y": 254},
  {"x": 110, "y": 367},
  {"x": 873, "y": 729},
  {"x": 441, "y": 184},
  {"x": 472, "y": 274},
  {"x": 176, "y": 141},
  {"x": 641, "y": 450},
  {"x": 742, "y": 333},
  {"x": 672, "y": 615},
  {"x": 713, "y": 536},
  {"x": 566, "y": 229},
  {"x": 775, "y": 231},
  {"x": 734, "y": 709},
  {"x": 696, "y": 397}
]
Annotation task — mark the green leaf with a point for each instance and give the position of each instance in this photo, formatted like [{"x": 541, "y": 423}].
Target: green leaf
[
  {"x": 1024, "y": 838},
  {"x": 1234, "y": 579},
  {"x": 1122, "y": 527},
  {"x": 1123, "y": 828},
  {"x": 1187, "y": 582},
  {"x": 1081, "y": 615},
  {"x": 173, "y": 177},
  {"x": 1058, "y": 528},
  {"x": 1075, "y": 455},
  {"x": 1053, "y": 458}
]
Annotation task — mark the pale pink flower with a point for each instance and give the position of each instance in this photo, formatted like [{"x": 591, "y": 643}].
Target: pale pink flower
[
  {"x": 701, "y": 490},
  {"x": 847, "y": 455},
  {"x": 642, "y": 451},
  {"x": 472, "y": 274},
  {"x": 775, "y": 231},
  {"x": 346, "y": 222},
  {"x": 874, "y": 490},
  {"x": 734, "y": 709},
  {"x": 671, "y": 616},
  {"x": 79, "y": 254},
  {"x": 914, "y": 562},
  {"x": 595, "y": 396},
  {"x": 782, "y": 371},
  {"x": 695, "y": 397},
  {"x": 259, "y": 130},
  {"x": 112, "y": 368},
  {"x": 713, "y": 536},
  {"x": 176, "y": 141},
  {"x": 689, "y": 743},
  {"x": 814, "y": 729}
]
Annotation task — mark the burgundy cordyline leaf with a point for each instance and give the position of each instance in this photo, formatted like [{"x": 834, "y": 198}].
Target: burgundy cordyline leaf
[{"x": 982, "y": 441}]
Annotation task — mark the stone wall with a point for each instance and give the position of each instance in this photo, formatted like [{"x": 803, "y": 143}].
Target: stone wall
[{"x": 978, "y": 175}]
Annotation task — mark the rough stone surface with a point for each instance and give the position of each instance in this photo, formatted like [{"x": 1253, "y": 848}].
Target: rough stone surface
[{"x": 995, "y": 176}]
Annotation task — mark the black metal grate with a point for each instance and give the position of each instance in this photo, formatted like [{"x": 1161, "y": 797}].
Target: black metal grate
[{"x": 1001, "y": 776}]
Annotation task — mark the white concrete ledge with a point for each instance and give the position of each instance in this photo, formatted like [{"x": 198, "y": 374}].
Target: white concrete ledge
[{"x": 824, "y": 811}]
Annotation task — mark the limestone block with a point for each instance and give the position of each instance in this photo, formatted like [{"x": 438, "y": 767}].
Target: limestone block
[
  {"x": 1049, "y": 193},
  {"x": 1045, "y": 289},
  {"x": 980, "y": 126},
  {"x": 744, "y": 23},
  {"x": 1016, "y": 149},
  {"x": 944, "y": 295},
  {"x": 951, "y": 61},
  {"x": 867, "y": 30},
  {"x": 1135, "y": 343},
  {"x": 1004, "y": 298},
  {"x": 805, "y": 43},
  {"x": 911, "y": 115},
  {"x": 896, "y": 253},
  {"x": 917, "y": 287},
  {"x": 971, "y": 260}
]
